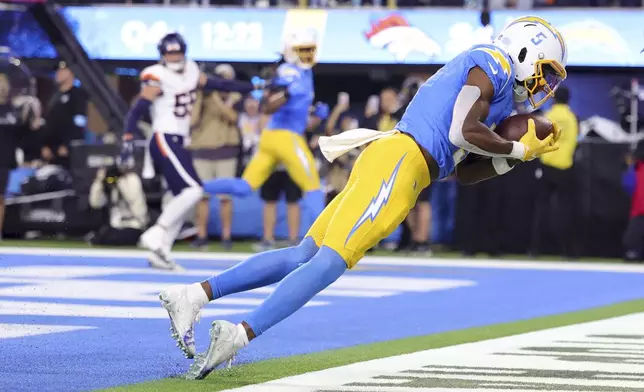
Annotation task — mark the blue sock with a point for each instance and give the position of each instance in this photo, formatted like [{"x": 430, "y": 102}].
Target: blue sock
[
  {"x": 315, "y": 203},
  {"x": 262, "y": 269},
  {"x": 228, "y": 186},
  {"x": 295, "y": 290}
]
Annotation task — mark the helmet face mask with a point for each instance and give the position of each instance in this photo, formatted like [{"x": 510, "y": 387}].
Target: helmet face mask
[
  {"x": 301, "y": 48},
  {"x": 174, "y": 61},
  {"x": 539, "y": 56},
  {"x": 172, "y": 49},
  {"x": 306, "y": 55},
  {"x": 541, "y": 86}
]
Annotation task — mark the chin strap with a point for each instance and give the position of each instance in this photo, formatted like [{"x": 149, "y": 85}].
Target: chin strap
[{"x": 520, "y": 94}]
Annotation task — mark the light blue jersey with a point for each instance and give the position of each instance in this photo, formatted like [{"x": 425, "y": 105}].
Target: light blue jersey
[
  {"x": 294, "y": 114},
  {"x": 429, "y": 115}
]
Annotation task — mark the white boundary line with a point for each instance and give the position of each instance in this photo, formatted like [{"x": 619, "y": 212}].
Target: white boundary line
[{"x": 369, "y": 260}]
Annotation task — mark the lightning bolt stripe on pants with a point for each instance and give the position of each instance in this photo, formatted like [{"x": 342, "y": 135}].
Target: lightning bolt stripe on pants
[{"x": 377, "y": 202}]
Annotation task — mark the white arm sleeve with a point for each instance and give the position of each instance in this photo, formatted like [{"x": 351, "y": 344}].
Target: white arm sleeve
[{"x": 466, "y": 98}]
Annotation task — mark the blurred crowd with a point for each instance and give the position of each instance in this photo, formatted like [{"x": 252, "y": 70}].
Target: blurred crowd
[
  {"x": 491, "y": 4},
  {"x": 226, "y": 130}
]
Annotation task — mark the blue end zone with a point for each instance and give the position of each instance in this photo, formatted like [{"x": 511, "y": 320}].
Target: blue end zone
[{"x": 129, "y": 349}]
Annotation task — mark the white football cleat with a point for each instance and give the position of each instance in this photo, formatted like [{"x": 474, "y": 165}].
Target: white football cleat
[
  {"x": 158, "y": 260},
  {"x": 225, "y": 340},
  {"x": 183, "y": 313},
  {"x": 153, "y": 240}
]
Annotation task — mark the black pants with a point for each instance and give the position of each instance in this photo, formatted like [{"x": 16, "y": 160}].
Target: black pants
[
  {"x": 406, "y": 235},
  {"x": 108, "y": 235},
  {"x": 555, "y": 212},
  {"x": 634, "y": 239},
  {"x": 483, "y": 205}
]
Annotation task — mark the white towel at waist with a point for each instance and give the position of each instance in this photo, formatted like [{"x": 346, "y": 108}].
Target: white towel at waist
[{"x": 337, "y": 145}]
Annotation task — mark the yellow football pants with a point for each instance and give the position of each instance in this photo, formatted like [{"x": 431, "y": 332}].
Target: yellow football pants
[
  {"x": 383, "y": 186},
  {"x": 289, "y": 149}
]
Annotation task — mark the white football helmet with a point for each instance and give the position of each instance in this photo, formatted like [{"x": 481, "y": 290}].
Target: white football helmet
[
  {"x": 539, "y": 55},
  {"x": 300, "y": 48}
]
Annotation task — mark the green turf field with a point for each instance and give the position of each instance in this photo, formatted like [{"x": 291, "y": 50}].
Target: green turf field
[{"x": 278, "y": 368}]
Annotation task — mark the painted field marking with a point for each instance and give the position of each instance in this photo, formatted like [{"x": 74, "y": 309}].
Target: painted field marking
[
  {"x": 602, "y": 356},
  {"x": 20, "y": 330},
  {"x": 72, "y": 291},
  {"x": 369, "y": 260}
]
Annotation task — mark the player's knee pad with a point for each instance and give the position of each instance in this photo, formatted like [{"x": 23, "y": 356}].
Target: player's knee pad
[{"x": 301, "y": 254}]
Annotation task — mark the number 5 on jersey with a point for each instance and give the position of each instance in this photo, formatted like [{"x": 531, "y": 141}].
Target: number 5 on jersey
[{"x": 184, "y": 102}]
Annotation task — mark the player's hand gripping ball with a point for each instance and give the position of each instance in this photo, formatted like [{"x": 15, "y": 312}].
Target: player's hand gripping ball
[{"x": 536, "y": 132}]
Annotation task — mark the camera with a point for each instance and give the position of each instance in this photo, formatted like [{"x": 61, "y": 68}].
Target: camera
[{"x": 112, "y": 174}]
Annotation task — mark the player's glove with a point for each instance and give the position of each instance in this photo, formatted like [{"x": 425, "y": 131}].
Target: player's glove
[
  {"x": 127, "y": 148},
  {"x": 258, "y": 83},
  {"x": 534, "y": 147},
  {"x": 321, "y": 111}
]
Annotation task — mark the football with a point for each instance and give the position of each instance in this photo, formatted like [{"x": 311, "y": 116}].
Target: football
[{"x": 514, "y": 127}]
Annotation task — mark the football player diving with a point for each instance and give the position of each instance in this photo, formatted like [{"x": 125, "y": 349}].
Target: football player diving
[{"x": 452, "y": 114}]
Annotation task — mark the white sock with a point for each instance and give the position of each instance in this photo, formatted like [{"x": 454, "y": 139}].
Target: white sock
[
  {"x": 241, "y": 338},
  {"x": 197, "y": 295}
]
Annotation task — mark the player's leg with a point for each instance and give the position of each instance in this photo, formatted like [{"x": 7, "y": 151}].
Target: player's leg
[
  {"x": 253, "y": 273},
  {"x": 266, "y": 268},
  {"x": 293, "y": 197},
  {"x": 175, "y": 161},
  {"x": 383, "y": 187},
  {"x": 296, "y": 156},
  {"x": 206, "y": 170},
  {"x": 226, "y": 168},
  {"x": 259, "y": 168},
  {"x": 259, "y": 270},
  {"x": 269, "y": 192}
]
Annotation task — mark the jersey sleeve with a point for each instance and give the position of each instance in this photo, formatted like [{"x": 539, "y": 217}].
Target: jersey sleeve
[
  {"x": 290, "y": 78},
  {"x": 150, "y": 77},
  {"x": 495, "y": 64}
]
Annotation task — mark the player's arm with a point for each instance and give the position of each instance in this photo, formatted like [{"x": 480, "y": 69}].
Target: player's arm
[
  {"x": 275, "y": 99},
  {"x": 477, "y": 168},
  {"x": 286, "y": 83},
  {"x": 209, "y": 83},
  {"x": 471, "y": 108},
  {"x": 149, "y": 92}
]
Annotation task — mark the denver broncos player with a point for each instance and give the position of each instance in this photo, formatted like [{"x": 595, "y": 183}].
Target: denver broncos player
[
  {"x": 282, "y": 142},
  {"x": 451, "y": 114},
  {"x": 167, "y": 94}
]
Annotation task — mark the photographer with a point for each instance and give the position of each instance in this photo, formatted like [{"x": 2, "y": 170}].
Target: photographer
[
  {"x": 119, "y": 188},
  {"x": 19, "y": 116}
]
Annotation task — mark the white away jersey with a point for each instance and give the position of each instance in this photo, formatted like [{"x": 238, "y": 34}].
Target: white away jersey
[{"x": 171, "y": 111}]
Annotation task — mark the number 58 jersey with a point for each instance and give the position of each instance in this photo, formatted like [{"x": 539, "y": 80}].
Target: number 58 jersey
[{"x": 171, "y": 111}]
